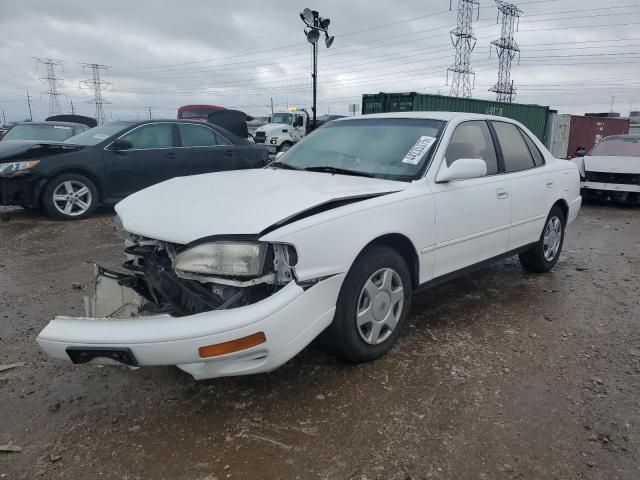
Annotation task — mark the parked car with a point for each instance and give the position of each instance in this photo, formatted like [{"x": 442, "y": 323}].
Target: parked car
[
  {"x": 236, "y": 272},
  {"x": 103, "y": 165},
  {"x": 44, "y": 131},
  {"x": 612, "y": 169}
]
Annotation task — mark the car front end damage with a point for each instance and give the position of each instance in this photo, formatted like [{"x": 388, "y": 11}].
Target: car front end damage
[
  {"x": 616, "y": 186},
  {"x": 217, "y": 307}
]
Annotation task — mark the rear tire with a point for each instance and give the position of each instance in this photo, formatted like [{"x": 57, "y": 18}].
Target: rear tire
[
  {"x": 544, "y": 255},
  {"x": 70, "y": 196},
  {"x": 372, "y": 306}
]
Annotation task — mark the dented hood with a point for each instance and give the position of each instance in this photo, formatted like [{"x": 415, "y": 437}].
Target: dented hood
[
  {"x": 612, "y": 164},
  {"x": 240, "y": 202}
]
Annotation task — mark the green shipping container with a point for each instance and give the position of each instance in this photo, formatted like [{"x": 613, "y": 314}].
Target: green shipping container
[{"x": 534, "y": 117}]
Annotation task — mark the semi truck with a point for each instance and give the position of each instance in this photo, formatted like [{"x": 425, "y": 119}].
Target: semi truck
[{"x": 283, "y": 131}]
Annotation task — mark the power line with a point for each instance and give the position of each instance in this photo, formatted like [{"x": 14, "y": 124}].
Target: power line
[
  {"x": 52, "y": 81},
  {"x": 98, "y": 85}
]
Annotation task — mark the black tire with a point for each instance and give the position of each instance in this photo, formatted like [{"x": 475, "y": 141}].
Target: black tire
[
  {"x": 343, "y": 336},
  {"x": 78, "y": 211},
  {"x": 534, "y": 260},
  {"x": 284, "y": 147}
]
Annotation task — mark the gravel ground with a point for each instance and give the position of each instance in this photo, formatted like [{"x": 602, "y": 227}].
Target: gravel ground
[{"x": 501, "y": 374}]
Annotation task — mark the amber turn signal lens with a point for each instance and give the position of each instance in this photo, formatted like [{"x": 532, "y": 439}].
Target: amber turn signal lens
[{"x": 232, "y": 346}]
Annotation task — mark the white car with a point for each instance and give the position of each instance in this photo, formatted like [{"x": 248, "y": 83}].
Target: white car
[
  {"x": 612, "y": 169},
  {"x": 236, "y": 272}
]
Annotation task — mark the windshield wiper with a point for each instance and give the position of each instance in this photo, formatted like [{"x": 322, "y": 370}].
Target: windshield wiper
[
  {"x": 339, "y": 171},
  {"x": 284, "y": 166}
]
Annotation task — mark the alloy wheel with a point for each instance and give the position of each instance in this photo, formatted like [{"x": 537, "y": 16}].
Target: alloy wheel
[
  {"x": 72, "y": 198},
  {"x": 552, "y": 238}
]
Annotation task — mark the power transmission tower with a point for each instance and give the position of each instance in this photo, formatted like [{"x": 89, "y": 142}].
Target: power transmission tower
[
  {"x": 507, "y": 48},
  {"x": 463, "y": 39},
  {"x": 52, "y": 81},
  {"x": 150, "y": 109},
  {"x": 29, "y": 103},
  {"x": 73, "y": 110},
  {"x": 98, "y": 85}
]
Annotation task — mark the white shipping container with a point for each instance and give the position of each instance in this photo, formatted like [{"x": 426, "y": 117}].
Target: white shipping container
[{"x": 559, "y": 135}]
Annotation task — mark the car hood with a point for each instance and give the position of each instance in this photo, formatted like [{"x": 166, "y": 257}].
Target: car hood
[
  {"x": 9, "y": 149},
  {"x": 273, "y": 128},
  {"x": 612, "y": 164},
  {"x": 243, "y": 202}
]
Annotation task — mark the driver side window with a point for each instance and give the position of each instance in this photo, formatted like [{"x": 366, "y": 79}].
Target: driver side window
[
  {"x": 155, "y": 135},
  {"x": 473, "y": 140}
]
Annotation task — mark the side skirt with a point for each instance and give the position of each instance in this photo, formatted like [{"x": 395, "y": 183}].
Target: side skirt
[{"x": 471, "y": 268}]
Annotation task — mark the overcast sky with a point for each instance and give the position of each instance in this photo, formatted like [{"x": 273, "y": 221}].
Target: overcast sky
[{"x": 575, "y": 54}]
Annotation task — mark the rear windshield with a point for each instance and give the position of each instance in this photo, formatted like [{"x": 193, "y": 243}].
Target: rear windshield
[
  {"x": 49, "y": 133},
  {"x": 618, "y": 147}
]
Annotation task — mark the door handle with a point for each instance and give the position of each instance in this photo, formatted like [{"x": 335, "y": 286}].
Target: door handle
[
  {"x": 229, "y": 153},
  {"x": 171, "y": 155},
  {"x": 549, "y": 183},
  {"x": 502, "y": 193}
]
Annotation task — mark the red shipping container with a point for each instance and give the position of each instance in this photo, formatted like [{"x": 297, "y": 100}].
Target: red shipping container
[{"x": 587, "y": 131}]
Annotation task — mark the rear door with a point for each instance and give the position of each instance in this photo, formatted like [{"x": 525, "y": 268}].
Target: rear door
[
  {"x": 531, "y": 185},
  {"x": 203, "y": 150},
  {"x": 472, "y": 216},
  {"x": 153, "y": 148}
]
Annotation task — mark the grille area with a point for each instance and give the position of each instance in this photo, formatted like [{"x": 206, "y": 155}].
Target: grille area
[
  {"x": 261, "y": 137},
  {"x": 613, "y": 177}
]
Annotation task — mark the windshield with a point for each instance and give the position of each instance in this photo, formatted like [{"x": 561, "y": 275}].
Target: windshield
[
  {"x": 282, "y": 118},
  {"x": 95, "y": 135},
  {"x": 50, "y": 133},
  {"x": 390, "y": 148},
  {"x": 618, "y": 147}
]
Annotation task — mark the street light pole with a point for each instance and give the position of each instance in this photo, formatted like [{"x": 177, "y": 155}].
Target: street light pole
[{"x": 314, "y": 25}]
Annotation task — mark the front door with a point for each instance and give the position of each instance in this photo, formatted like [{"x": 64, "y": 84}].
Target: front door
[
  {"x": 472, "y": 216},
  {"x": 144, "y": 163}
]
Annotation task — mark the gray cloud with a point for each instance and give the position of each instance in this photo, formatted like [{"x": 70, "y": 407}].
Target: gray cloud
[{"x": 241, "y": 54}]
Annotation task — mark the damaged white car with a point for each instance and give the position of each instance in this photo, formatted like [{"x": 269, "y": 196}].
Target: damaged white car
[
  {"x": 612, "y": 170},
  {"x": 236, "y": 272}
]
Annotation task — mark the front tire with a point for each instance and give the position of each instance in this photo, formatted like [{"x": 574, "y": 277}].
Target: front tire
[
  {"x": 284, "y": 147},
  {"x": 372, "y": 306},
  {"x": 544, "y": 255},
  {"x": 70, "y": 196}
]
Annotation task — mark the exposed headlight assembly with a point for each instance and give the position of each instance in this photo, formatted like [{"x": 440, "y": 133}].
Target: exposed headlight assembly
[
  {"x": 229, "y": 259},
  {"x": 17, "y": 166}
]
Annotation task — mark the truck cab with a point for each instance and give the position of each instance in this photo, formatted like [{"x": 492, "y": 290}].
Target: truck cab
[{"x": 283, "y": 131}]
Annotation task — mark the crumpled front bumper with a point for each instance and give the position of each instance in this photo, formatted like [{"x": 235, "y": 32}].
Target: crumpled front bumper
[
  {"x": 21, "y": 190},
  {"x": 290, "y": 319},
  {"x": 609, "y": 187}
]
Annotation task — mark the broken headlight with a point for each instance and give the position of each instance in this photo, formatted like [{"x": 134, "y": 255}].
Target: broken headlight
[{"x": 229, "y": 259}]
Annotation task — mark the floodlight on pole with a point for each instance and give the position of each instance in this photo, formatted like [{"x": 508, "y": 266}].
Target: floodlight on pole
[{"x": 314, "y": 26}]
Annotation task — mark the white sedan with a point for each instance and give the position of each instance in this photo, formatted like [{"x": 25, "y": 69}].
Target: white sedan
[{"x": 236, "y": 272}]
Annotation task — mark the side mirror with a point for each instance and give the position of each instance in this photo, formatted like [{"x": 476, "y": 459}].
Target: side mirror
[
  {"x": 581, "y": 153},
  {"x": 119, "y": 145},
  {"x": 279, "y": 154},
  {"x": 462, "y": 169}
]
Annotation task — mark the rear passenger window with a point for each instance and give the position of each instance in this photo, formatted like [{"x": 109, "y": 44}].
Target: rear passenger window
[
  {"x": 197, "y": 135},
  {"x": 515, "y": 151},
  {"x": 537, "y": 156},
  {"x": 472, "y": 140}
]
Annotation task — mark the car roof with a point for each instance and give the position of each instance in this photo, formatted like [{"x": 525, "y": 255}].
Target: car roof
[
  {"x": 54, "y": 123},
  {"x": 443, "y": 116}
]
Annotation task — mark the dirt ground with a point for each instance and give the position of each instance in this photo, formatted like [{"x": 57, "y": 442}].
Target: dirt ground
[{"x": 501, "y": 374}]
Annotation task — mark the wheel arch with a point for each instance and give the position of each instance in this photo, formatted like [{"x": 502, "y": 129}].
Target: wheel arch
[
  {"x": 564, "y": 207},
  {"x": 405, "y": 247}
]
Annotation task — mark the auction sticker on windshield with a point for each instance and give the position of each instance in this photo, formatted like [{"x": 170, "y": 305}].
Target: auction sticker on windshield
[
  {"x": 418, "y": 151},
  {"x": 101, "y": 136}
]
